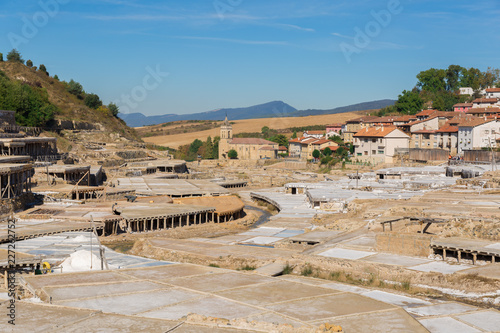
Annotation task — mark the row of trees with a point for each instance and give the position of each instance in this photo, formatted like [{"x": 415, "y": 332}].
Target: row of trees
[
  {"x": 439, "y": 88},
  {"x": 206, "y": 150},
  {"x": 15, "y": 56}
]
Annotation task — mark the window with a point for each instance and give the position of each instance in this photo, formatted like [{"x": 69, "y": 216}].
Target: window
[
  {"x": 380, "y": 151},
  {"x": 359, "y": 154},
  {"x": 374, "y": 152},
  {"x": 366, "y": 153},
  {"x": 374, "y": 140},
  {"x": 416, "y": 136},
  {"x": 435, "y": 144}
]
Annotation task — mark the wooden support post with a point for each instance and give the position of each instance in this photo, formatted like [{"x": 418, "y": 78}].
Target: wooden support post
[
  {"x": 444, "y": 254},
  {"x": 459, "y": 255},
  {"x": 474, "y": 258}
]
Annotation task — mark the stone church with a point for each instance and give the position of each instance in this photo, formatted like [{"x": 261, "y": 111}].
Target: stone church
[{"x": 247, "y": 148}]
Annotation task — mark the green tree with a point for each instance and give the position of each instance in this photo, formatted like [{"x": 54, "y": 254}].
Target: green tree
[
  {"x": 1, "y": 57},
  {"x": 232, "y": 154},
  {"x": 472, "y": 77},
  {"x": 453, "y": 77},
  {"x": 207, "y": 149},
  {"x": 92, "y": 101},
  {"x": 43, "y": 69},
  {"x": 316, "y": 154},
  {"x": 15, "y": 56},
  {"x": 265, "y": 131},
  {"x": 294, "y": 135},
  {"x": 75, "y": 88},
  {"x": 432, "y": 80},
  {"x": 56, "y": 77},
  {"x": 114, "y": 109},
  {"x": 215, "y": 149},
  {"x": 409, "y": 102},
  {"x": 29, "y": 63},
  {"x": 327, "y": 151},
  {"x": 280, "y": 139}
]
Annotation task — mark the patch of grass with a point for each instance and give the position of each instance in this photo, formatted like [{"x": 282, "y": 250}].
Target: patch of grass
[
  {"x": 287, "y": 269},
  {"x": 306, "y": 270},
  {"x": 214, "y": 265},
  {"x": 247, "y": 268},
  {"x": 406, "y": 285},
  {"x": 122, "y": 247}
]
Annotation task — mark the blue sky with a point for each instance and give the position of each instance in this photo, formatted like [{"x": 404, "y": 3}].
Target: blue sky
[{"x": 235, "y": 53}]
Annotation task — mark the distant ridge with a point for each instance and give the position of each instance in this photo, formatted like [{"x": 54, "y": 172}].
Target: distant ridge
[{"x": 267, "y": 110}]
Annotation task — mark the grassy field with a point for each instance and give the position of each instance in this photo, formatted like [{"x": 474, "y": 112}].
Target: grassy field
[{"x": 253, "y": 125}]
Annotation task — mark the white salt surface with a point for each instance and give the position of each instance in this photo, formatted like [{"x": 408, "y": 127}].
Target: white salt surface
[
  {"x": 80, "y": 261},
  {"x": 346, "y": 254}
]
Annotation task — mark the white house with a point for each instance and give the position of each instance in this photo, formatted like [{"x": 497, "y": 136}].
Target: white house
[
  {"x": 378, "y": 144},
  {"x": 493, "y": 93},
  {"x": 478, "y": 133}
]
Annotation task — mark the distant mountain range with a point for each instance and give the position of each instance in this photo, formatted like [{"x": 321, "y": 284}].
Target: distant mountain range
[{"x": 267, "y": 110}]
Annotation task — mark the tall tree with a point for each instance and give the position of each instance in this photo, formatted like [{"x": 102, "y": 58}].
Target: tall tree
[
  {"x": 453, "y": 74},
  {"x": 113, "y": 108},
  {"x": 409, "y": 102},
  {"x": 432, "y": 80},
  {"x": 15, "y": 56}
]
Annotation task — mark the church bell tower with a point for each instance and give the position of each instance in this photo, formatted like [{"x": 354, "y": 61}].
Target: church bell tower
[{"x": 226, "y": 135}]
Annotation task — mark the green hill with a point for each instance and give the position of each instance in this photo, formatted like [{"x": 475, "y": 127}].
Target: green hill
[{"x": 43, "y": 101}]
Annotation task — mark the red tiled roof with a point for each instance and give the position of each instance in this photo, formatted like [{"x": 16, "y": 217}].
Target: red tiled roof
[
  {"x": 314, "y": 132},
  {"x": 447, "y": 128},
  {"x": 483, "y": 110},
  {"x": 320, "y": 141},
  {"x": 406, "y": 118},
  {"x": 493, "y": 90},
  {"x": 378, "y": 132},
  {"x": 332, "y": 148},
  {"x": 251, "y": 141},
  {"x": 362, "y": 119},
  {"x": 424, "y": 132},
  {"x": 485, "y": 100},
  {"x": 425, "y": 112},
  {"x": 267, "y": 148},
  {"x": 281, "y": 148},
  {"x": 473, "y": 122},
  {"x": 458, "y": 105}
]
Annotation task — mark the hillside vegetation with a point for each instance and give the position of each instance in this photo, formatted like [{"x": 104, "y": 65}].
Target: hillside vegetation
[
  {"x": 440, "y": 89},
  {"x": 40, "y": 100}
]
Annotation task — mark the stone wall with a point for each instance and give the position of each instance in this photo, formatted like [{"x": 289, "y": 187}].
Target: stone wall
[
  {"x": 404, "y": 244},
  {"x": 7, "y": 118}
]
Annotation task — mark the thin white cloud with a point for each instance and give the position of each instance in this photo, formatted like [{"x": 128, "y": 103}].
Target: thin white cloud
[
  {"x": 237, "y": 41},
  {"x": 294, "y": 27},
  {"x": 138, "y": 17},
  {"x": 340, "y": 35}
]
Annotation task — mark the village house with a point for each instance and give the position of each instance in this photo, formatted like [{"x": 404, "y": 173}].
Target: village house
[
  {"x": 333, "y": 130},
  {"x": 303, "y": 147},
  {"x": 484, "y": 112},
  {"x": 486, "y": 102},
  {"x": 355, "y": 125},
  {"x": 493, "y": 93},
  {"x": 478, "y": 133},
  {"x": 378, "y": 144},
  {"x": 462, "y": 107},
  {"x": 314, "y": 134}
]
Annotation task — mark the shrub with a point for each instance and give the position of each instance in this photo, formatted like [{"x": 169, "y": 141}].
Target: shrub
[
  {"x": 92, "y": 101},
  {"x": 15, "y": 56},
  {"x": 232, "y": 154}
]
